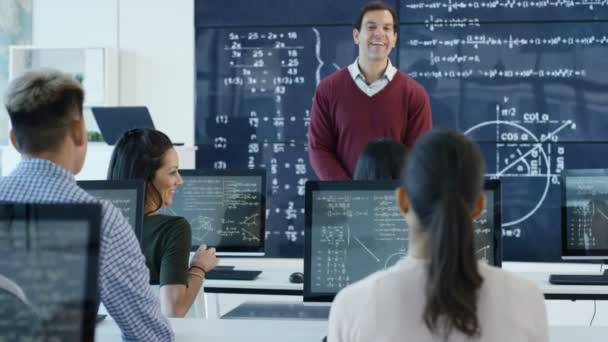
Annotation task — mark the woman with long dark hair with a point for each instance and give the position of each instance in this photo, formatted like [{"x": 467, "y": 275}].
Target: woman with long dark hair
[
  {"x": 148, "y": 154},
  {"x": 440, "y": 291}
]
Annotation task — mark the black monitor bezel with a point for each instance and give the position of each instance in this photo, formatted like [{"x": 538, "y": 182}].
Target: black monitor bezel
[
  {"x": 311, "y": 186},
  {"x": 237, "y": 250},
  {"x": 91, "y": 213},
  {"x": 134, "y": 184},
  {"x": 569, "y": 253},
  {"x": 494, "y": 185}
]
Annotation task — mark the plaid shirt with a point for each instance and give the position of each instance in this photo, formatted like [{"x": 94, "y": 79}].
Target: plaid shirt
[{"x": 123, "y": 276}]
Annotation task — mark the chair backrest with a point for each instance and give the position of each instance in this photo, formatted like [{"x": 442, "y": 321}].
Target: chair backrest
[{"x": 49, "y": 264}]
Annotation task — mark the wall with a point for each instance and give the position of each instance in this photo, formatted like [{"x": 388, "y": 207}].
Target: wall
[
  {"x": 155, "y": 39},
  {"x": 15, "y": 29}
]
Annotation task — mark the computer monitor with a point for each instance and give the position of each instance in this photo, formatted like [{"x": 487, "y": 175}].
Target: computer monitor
[
  {"x": 584, "y": 223},
  {"x": 126, "y": 195},
  {"x": 584, "y": 209},
  {"x": 353, "y": 229},
  {"x": 114, "y": 121},
  {"x": 50, "y": 257},
  {"x": 226, "y": 209}
]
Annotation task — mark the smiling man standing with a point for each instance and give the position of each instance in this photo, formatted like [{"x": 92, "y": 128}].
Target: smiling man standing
[{"x": 370, "y": 99}]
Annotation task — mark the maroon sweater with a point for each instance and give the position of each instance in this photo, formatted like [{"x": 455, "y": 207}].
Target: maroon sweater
[{"x": 344, "y": 119}]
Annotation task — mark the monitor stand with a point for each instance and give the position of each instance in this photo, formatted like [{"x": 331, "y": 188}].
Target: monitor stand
[{"x": 579, "y": 279}]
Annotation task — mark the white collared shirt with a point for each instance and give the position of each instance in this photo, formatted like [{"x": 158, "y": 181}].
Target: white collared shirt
[{"x": 376, "y": 86}]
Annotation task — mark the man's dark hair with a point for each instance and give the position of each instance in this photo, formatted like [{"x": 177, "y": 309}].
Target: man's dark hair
[
  {"x": 375, "y": 6},
  {"x": 41, "y": 105},
  {"x": 138, "y": 154},
  {"x": 381, "y": 159}
]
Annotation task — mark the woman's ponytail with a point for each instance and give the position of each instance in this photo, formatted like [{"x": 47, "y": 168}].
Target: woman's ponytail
[
  {"x": 453, "y": 278},
  {"x": 443, "y": 178}
]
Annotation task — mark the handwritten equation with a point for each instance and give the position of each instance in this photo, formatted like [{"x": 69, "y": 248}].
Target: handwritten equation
[
  {"x": 506, "y": 10},
  {"x": 257, "y": 110}
]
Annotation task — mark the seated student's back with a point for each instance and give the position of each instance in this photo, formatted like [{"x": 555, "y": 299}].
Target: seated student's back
[
  {"x": 439, "y": 291},
  {"x": 388, "y": 306},
  {"x": 48, "y": 130}
]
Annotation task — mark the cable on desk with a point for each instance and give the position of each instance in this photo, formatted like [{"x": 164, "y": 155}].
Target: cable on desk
[
  {"x": 594, "y": 311},
  {"x": 595, "y": 301}
]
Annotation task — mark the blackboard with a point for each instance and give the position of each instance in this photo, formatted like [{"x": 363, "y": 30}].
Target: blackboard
[{"x": 527, "y": 79}]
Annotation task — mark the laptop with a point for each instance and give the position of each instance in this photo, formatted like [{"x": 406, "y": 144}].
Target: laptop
[
  {"x": 114, "y": 121},
  {"x": 279, "y": 310}
]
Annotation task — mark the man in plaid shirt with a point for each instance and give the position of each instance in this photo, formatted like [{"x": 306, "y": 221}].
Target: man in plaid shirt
[{"x": 45, "y": 109}]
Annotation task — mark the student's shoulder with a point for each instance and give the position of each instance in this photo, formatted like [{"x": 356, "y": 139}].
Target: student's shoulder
[
  {"x": 108, "y": 210},
  {"x": 506, "y": 281},
  {"x": 362, "y": 289},
  {"x": 349, "y": 300},
  {"x": 176, "y": 223},
  {"x": 167, "y": 219}
]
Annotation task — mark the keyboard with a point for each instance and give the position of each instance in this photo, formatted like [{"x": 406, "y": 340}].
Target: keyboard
[
  {"x": 256, "y": 310},
  {"x": 232, "y": 274},
  {"x": 578, "y": 279},
  {"x": 223, "y": 267}
]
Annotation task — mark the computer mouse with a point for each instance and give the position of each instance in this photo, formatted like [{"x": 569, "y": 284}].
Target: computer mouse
[{"x": 296, "y": 278}]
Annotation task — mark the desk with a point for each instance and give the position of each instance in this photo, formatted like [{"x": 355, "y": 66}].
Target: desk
[
  {"x": 565, "y": 292},
  {"x": 539, "y": 273},
  {"x": 274, "y": 279},
  {"x": 229, "y": 330},
  {"x": 190, "y": 330}
]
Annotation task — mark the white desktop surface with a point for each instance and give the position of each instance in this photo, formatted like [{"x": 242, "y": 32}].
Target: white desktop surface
[
  {"x": 229, "y": 330},
  {"x": 276, "y": 271},
  {"x": 274, "y": 277},
  {"x": 539, "y": 274},
  {"x": 541, "y": 279}
]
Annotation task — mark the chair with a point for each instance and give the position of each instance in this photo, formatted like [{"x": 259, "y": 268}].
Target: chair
[
  {"x": 49, "y": 265},
  {"x": 18, "y": 320}
]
